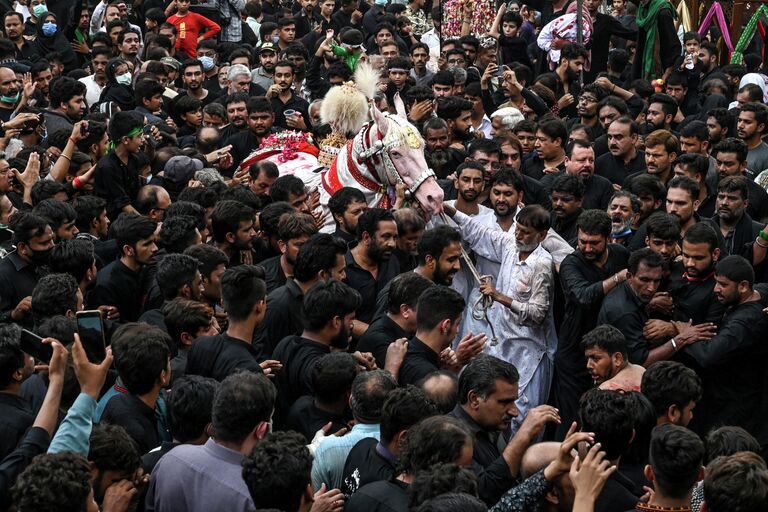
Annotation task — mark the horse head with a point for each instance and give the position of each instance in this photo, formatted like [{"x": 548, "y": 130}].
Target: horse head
[{"x": 403, "y": 156}]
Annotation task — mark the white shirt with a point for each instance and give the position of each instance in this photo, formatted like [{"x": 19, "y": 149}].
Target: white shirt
[{"x": 92, "y": 90}]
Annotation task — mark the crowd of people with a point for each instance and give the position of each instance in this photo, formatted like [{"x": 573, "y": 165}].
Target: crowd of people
[{"x": 581, "y": 329}]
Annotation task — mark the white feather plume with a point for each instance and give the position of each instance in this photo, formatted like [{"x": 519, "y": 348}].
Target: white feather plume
[
  {"x": 367, "y": 79},
  {"x": 345, "y": 108}
]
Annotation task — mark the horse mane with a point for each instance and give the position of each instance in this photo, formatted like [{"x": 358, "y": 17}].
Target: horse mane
[{"x": 345, "y": 108}]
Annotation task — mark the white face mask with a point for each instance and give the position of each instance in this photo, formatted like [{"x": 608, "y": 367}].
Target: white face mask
[{"x": 124, "y": 79}]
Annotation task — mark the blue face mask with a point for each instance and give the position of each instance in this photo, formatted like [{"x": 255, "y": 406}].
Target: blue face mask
[
  {"x": 11, "y": 99},
  {"x": 207, "y": 62},
  {"x": 39, "y": 9},
  {"x": 380, "y": 2},
  {"x": 49, "y": 28},
  {"x": 124, "y": 79},
  {"x": 275, "y": 39}
]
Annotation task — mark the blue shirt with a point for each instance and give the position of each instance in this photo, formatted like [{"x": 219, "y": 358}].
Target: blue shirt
[{"x": 328, "y": 466}]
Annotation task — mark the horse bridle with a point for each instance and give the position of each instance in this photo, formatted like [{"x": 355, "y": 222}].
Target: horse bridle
[{"x": 387, "y": 172}]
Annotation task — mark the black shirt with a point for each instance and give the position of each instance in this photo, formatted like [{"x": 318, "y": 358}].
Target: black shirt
[
  {"x": 694, "y": 297},
  {"x": 533, "y": 166},
  {"x": 16, "y": 417},
  {"x": 493, "y": 474},
  {"x": 732, "y": 370},
  {"x": 299, "y": 357},
  {"x": 567, "y": 227},
  {"x": 243, "y": 144},
  {"x": 17, "y": 280},
  {"x": 420, "y": 360},
  {"x": 296, "y": 103},
  {"x": 739, "y": 240},
  {"x": 583, "y": 290},
  {"x": 384, "y": 496},
  {"x": 623, "y": 309},
  {"x": 136, "y": 417},
  {"x": 150, "y": 460},
  {"x": 274, "y": 276},
  {"x": 119, "y": 286},
  {"x": 116, "y": 182},
  {"x": 597, "y": 191},
  {"x": 368, "y": 461},
  {"x": 306, "y": 418},
  {"x": 220, "y": 356},
  {"x": 379, "y": 335},
  {"x": 368, "y": 286},
  {"x": 615, "y": 170},
  {"x": 284, "y": 317}
]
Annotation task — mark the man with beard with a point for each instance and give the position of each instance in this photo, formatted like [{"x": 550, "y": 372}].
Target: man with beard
[
  {"x": 607, "y": 360},
  {"x": 346, "y": 206},
  {"x": 21, "y": 269},
  {"x": 625, "y": 308},
  {"x": 440, "y": 157},
  {"x": 587, "y": 275},
  {"x": 512, "y": 158},
  {"x": 437, "y": 325},
  {"x": 731, "y": 364},
  {"x": 329, "y": 310},
  {"x": 720, "y": 124},
  {"x": 551, "y": 138},
  {"x": 261, "y": 117},
  {"x": 237, "y": 114},
  {"x": 568, "y": 71},
  {"x": 651, "y": 193},
  {"x": 731, "y": 155},
  {"x": 586, "y": 108},
  {"x": 283, "y": 99},
  {"x": 661, "y": 112},
  {"x": 523, "y": 288},
  {"x": 623, "y": 157},
  {"x": 661, "y": 149},
  {"x": 294, "y": 229},
  {"x": 623, "y": 209},
  {"x": 750, "y": 127},
  {"x": 567, "y": 196},
  {"x": 14, "y": 30},
  {"x": 67, "y": 104},
  {"x": 232, "y": 224},
  {"x": 120, "y": 283},
  {"x": 457, "y": 112},
  {"x": 580, "y": 161},
  {"x": 263, "y": 76},
  {"x": 370, "y": 265},
  {"x": 736, "y": 226},
  {"x": 192, "y": 76},
  {"x": 694, "y": 139}
]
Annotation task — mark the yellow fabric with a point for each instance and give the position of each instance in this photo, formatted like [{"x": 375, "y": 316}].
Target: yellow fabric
[{"x": 684, "y": 16}]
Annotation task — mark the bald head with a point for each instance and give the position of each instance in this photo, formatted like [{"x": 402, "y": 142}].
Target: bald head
[
  {"x": 538, "y": 456},
  {"x": 442, "y": 388}
]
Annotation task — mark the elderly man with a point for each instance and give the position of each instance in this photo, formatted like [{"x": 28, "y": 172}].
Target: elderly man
[{"x": 505, "y": 118}]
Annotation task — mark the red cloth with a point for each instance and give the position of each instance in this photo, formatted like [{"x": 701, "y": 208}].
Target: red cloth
[{"x": 188, "y": 29}]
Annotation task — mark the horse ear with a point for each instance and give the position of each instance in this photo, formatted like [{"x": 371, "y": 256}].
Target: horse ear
[
  {"x": 381, "y": 121},
  {"x": 400, "y": 106}
]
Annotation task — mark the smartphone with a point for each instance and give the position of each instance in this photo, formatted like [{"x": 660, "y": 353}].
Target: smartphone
[
  {"x": 83, "y": 131},
  {"x": 90, "y": 327},
  {"x": 33, "y": 345}
]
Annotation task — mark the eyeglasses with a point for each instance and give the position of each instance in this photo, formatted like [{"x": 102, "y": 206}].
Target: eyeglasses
[{"x": 456, "y": 61}]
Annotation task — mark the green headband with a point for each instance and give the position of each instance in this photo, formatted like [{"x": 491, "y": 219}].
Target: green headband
[{"x": 136, "y": 131}]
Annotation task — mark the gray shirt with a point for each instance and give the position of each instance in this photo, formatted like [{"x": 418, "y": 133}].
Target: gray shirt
[
  {"x": 757, "y": 159},
  {"x": 193, "y": 478},
  {"x": 260, "y": 77}
]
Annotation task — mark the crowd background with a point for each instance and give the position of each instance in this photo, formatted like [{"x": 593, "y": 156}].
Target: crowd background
[{"x": 582, "y": 328}]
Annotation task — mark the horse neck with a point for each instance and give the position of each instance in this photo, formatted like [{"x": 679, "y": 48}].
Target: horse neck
[{"x": 368, "y": 137}]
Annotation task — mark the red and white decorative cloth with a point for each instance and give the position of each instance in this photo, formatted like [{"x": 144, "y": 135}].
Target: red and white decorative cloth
[{"x": 562, "y": 30}]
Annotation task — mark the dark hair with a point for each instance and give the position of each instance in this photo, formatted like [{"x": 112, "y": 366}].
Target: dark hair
[
  {"x": 226, "y": 218},
  {"x": 54, "y": 481},
  {"x": 320, "y": 252},
  {"x": 54, "y": 294},
  {"x": 697, "y": 129},
  {"x": 736, "y": 268},
  {"x": 285, "y": 186},
  {"x": 723, "y": 117},
  {"x": 760, "y": 111},
  {"x": 488, "y": 146},
  {"x": 190, "y": 406},
  {"x": 738, "y": 184},
  {"x": 634, "y": 202},
  {"x": 241, "y": 288},
  {"x": 403, "y": 408},
  {"x": 295, "y": 225},
  {"x": 702, "y": 233},
  {"x": 111, "y": 448},
  {"x": 431, "y": 441},
  {"x": 184, "y": 315},
  {"x": 45, "y": 189},
  {"x": 728, "y": 440},
  {"x": 332, "y": 377},
  {"x": 441, "y": 479},
  {"x": 327, "y": 300},
  {"x": 594, "y": 222},
  {"x": 451, "y": 107},
  {"x": 687, "y": 184},
  {"x": 668, "y": 383},
  {"x": 554, "y": 129},
  {"x": 609, "y": 415},
  {"x": 55, "y": 212},
  {"x": 177, "y": 233},
  {"x": 618, "y": 58},
  {"x": 436, "y": 304},
  {"x": 209, "y": 257},
  {"x": 146, "y": 89},
  {"x": 278, "y": 471},
  {"x": 732, "y": 145},
  {"x": 406, "y": 289},
  {"x": 63, "y": 89},
  {"x": 26, "y": 226},
  {"x": 270, "y": 216},
  {"x": 444, "y": 77},
  {"x": 694, "y": 162},
  {"x": 434, "y": 241},
  {"x": 647, "y": 185},
  {"x": 738, "y": 482},
  {"x": 141, "y": 352},
  {"x": 568, "y": 183},
  {"x": 130, "y": 228},
  {"x": 369, "y": 391},
  {"x": 452, "y": 502},
  {"x": 369, "y": 221},
  {"x": 668, "y": 103},
  {"x": 606, "y": 338},
  {"x": 175, "y": 271},
  {"x": 259, "y": 104},
  {"x": 242, "y": 401},
  {"x": 573, "y": 51},
  {"x": 96, "y": 131},
  {"x": 507, "y": 177},
  {"x": 11, "y": 356},
  {"x": 645, "y": 255},
  {"x": 122, "y": 123},
  {"x": 342, "y": 198},
  {"x": 664, "y": 226},
  {"x": 480, "y": 375},
  {"x": 73, "y": 257},
  {"x": 676, "y": 455}
]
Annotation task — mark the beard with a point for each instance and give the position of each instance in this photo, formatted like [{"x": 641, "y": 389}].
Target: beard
[
  {"x": 623, "y": 227},
  {"x": 341, "y": 340},
  {"x": 437, "y": 160},
  {"x": 526, "y": 247},
  {"x": 377, "y": 254},
  {"x": 469, "y": 195},
  {"x": 443, "y": 278}
]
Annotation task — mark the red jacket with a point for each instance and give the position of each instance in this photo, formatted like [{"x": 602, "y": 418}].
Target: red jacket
[{"x": 189, "y": 27}]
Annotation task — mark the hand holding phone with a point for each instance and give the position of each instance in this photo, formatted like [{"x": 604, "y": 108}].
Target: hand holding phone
[
  {"x": 33, "y": 345},
  {"x": 90, "y": 327}
]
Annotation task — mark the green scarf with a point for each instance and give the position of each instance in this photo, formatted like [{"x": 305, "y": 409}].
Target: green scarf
[
  {"x": 131, "y": 134},
  {"x": 646, "y": 19},
  {"x": 349, "y": 57}
]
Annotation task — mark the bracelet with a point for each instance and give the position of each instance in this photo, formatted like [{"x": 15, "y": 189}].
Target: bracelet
[
  {"x": 616, "y": 278},
  {"x": 73, "y": 141},
  {"x": 76, "y": 182},
  {"x": 762, "y": 234},
  {"x": 761, "y": 244},
  {"x": 674, "y": 344},
  {"x": 65, "y": 156},
  {"x": 614, "y": 89}
]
